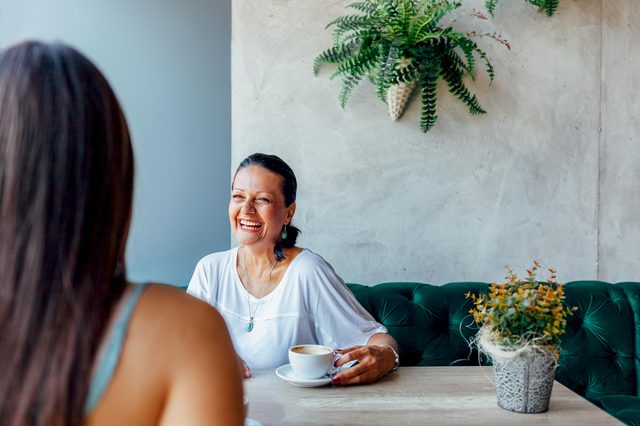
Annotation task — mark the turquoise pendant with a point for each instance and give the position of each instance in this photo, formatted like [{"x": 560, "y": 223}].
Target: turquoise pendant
[{"x": 249, "y": 326}]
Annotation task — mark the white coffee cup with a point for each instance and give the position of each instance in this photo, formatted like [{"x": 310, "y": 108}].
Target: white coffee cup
[{"x": 311, "y": 361}]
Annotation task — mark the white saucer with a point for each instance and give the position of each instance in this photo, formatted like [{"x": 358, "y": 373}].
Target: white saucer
[
  {"x": 286, "y": 373},
  {"x": 251, "y": 422}
]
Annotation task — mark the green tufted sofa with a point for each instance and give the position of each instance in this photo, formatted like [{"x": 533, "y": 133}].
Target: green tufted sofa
[{"x": 600, "y": 356}]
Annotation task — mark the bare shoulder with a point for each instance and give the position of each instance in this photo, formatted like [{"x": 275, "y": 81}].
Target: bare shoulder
[
  {"x": 174, "y": 347},
  {"x": 179, "y": 325},
  {"x": 168, "y": 304},
  {"x": 166, "y": 309}
]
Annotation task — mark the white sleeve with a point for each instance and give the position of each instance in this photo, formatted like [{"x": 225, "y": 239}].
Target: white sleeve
[
  {"x": 199, "y": 286},
  {"x": 339, "y": 320}
]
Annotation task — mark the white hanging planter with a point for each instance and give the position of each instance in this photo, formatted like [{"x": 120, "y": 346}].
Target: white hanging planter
[{"x": 398, "y": 97}]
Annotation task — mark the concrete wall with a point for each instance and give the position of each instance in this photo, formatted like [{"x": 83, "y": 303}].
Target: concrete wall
[
  {"x": 550, "y": 173},
  {"x": 169, "y": 63}
]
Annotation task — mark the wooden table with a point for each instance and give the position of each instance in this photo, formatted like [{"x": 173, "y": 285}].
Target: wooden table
[{"x": 409, "y": 396}]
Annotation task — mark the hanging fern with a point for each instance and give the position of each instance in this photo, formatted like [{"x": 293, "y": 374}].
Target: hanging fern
[
  {"x": 403, "y": 41},
  {"x": 549, "y": 6}
]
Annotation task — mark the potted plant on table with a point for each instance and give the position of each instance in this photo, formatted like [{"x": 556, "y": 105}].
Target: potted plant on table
[
  {"x": 521, "y": 321},
  {"x": 401, "y": 44}
]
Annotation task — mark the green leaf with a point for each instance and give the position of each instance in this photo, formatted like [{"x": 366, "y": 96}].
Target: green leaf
[
  {"x": 489, "y": 67},
  {"x": 335, "y": 55},
  {"x": 387, "y": 73},
  {"x": 468, "y": 47},
  {"x": 453, "y": 76},
  {"x": 348, "y": 84},
  {"x": 443, "y": 8},
  {"x": 428, "y": 98},
  {"x": 387, "y": 9},
  {"x": 350, "y": 22},
  {"x": 490, "y": 5},
  {"x": 550, "y": 7},
  {"x": 354, "y": 23},
  {"x": 405, "y": 75},
  {"x": 357, "y": 65},
  {"x": 366, "y": 7}
]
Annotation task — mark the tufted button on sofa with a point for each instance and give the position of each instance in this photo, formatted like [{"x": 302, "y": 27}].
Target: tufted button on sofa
[{"x": 600, "y": 356}]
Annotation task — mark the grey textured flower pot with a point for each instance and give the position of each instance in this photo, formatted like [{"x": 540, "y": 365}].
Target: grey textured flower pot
[{"x": 524, "y": 382}]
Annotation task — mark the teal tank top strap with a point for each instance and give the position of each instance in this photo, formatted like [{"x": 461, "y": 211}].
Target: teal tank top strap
[{"x": 108, "y": 361}]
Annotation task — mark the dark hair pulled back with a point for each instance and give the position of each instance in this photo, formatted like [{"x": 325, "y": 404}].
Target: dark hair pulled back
[{"x": 275, "y": 164}]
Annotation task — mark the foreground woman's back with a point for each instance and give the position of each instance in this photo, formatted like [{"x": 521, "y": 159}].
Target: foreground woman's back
[{"x": 66, "y": 183}]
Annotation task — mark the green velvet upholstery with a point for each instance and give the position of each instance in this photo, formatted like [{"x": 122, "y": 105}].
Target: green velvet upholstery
[
  {"x": 600, "y": 357},
  {"x": 624, "y": 407}
]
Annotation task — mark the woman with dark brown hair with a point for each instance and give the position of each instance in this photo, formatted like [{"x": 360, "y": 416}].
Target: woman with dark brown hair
[{"x": 78, "y": 343}]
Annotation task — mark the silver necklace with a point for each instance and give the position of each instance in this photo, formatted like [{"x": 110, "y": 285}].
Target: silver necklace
[{"x": 249, "y": 326}]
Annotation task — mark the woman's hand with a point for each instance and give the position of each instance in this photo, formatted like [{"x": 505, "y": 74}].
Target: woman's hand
[
  {"x": 374, "y": 361},
  {"x": 245, "y": 371}
]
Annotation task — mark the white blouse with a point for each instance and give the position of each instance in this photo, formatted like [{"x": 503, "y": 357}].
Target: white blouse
[{"x": 311, "y": 304}]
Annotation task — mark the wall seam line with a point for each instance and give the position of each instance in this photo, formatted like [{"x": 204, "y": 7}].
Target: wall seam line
[{"x": 599, "y": 165}]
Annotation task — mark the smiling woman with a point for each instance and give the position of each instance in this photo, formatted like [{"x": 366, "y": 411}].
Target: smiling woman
[{"x": 273, "y": 294}]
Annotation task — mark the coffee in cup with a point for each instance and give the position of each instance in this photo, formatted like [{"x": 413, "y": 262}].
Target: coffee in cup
[{"x": 311, "y": 361}]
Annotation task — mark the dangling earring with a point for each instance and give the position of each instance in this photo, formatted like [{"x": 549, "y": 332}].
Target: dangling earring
[{"x": 284, "y": 232}]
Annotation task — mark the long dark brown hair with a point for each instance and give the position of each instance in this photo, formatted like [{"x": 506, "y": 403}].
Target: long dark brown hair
[{"x": 66, "y": 183}]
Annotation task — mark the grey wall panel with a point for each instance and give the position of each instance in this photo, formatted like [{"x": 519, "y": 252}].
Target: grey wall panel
[{"x": 619, "y": 219}]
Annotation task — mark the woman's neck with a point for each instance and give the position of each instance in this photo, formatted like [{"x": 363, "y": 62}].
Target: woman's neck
[{"x": 257, "y": 258}]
